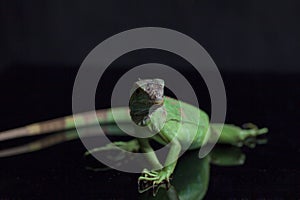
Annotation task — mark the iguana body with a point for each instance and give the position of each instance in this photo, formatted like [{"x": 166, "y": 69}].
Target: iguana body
[
  {"x": 194, "y": 120},
  {"x": 176, "y": 122}
]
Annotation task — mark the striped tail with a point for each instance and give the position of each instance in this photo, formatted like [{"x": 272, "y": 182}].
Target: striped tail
[{"x": 121, "y": 114}]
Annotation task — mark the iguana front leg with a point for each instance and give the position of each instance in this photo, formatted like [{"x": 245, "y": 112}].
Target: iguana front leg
[
  {"x": 149, "y": 153},
  {"x": 157, "y": 178}
]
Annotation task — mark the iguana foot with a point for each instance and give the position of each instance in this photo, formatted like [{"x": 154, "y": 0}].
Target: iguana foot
[
  {"x": 251, "y": 132},
  {"x": 130, "y": 146},
  {"x": 154, "y": 179},
  {"x": 117, "y": 152}
]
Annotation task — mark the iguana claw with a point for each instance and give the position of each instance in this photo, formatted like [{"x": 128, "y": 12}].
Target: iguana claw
[
  {"x": 253, "y": 131},
  {"x": 153, "y": 180}
]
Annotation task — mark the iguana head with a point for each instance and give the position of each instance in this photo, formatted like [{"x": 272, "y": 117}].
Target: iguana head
[{"x": 146, "y": 96}]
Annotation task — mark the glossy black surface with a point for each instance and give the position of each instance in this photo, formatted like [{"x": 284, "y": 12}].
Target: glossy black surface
[{"x": 33, "y": 94}]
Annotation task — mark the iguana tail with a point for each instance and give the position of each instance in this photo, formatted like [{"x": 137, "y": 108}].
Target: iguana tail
[{"x": 65, "y": 123}]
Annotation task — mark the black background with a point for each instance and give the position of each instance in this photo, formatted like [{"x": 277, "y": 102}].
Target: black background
[{"x": 255, "y": 44}]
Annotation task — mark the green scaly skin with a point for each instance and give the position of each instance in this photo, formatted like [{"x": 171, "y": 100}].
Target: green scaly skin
[{"x": 177, "y": 123}]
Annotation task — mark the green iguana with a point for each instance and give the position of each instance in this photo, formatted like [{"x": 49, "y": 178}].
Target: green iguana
[{"x": 149, "y": 108}]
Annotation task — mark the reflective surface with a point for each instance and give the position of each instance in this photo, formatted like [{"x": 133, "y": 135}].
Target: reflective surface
[{"x": 270, "y": 170}]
